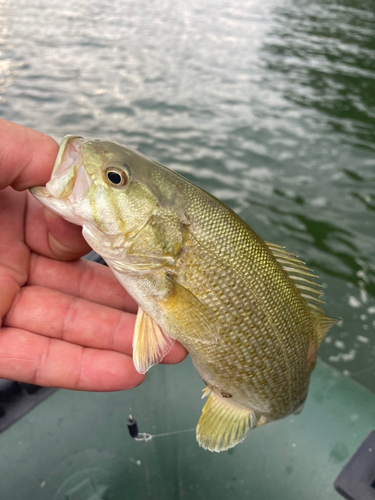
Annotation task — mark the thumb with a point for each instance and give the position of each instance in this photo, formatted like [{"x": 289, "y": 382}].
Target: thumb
[{"x": 64, "y": 238}]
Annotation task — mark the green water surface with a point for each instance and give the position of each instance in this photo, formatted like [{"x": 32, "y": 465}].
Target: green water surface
[
  {"x": 267, "y": 104},
  {"x": 270, "y": 106}
]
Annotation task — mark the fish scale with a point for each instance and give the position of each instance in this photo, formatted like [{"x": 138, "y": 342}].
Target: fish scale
[
  {"x": 257, "y": 352},
  {"x": 247, "y": 311},
  {"x": 208, "y": 225}
]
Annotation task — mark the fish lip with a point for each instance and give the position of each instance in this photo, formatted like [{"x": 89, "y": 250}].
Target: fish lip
[
  {"x": 70, "y": 150},
  {"x": 66, "y": 166},
  {"x": 61, "y": 193}
]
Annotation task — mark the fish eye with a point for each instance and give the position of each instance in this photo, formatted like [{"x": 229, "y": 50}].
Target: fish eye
[{"x": 117, "y": 176}]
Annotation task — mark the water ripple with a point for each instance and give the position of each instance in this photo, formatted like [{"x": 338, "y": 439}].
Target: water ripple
[{"x": 269, "y": 105}]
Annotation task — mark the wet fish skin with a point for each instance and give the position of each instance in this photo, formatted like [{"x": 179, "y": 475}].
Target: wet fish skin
[{"x": 247, "y": 311}]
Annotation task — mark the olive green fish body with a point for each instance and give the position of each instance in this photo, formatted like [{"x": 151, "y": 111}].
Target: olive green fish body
[
  {"x": 265, "y": 353},
  {"x": 246, "y": 310}
]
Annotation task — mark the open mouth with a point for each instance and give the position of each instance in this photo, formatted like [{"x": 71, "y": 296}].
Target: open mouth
[
  {"x": 69, "y": 184},
  {"x": 66, "y": 166},
  {"x": 70, "y": 150},
  {"x": 64, "y": 171},
  {"x": 69, "y": 179}
]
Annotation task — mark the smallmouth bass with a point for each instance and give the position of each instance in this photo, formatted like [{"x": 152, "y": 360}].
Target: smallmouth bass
[{"x": 247, "y": 311}]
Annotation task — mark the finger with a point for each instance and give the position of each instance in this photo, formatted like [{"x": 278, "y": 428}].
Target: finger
[
  {"x": 54, "y": 363},
  {"x": 81, "y": 278},
  {"x": 14, "y": 255},
  {"x": 48, "y": 234},
  {"x": 72, "y": 319},
  {"x": 26, "y": 156},
  {"x": 26, "y": 159},
  {"x": 54, "y": 314},
  {"x": 177, "y": 354}
]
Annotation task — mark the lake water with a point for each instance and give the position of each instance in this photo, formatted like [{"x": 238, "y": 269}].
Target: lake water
[{"x": 269, "y": 105}]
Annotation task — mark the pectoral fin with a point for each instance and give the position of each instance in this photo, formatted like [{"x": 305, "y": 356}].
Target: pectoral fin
[
  {"x": 150, "y": 344},
  {"x": 222, "y": 424},
  {"x": 190, "y": 318}
]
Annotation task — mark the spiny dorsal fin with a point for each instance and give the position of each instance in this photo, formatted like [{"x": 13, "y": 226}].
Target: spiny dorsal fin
[
  {"x": 310, "y": 290},
  {"x": 222, "y": 424},
  {"x": 297, "y": 270},
  {"x": 324, "y": 324}
]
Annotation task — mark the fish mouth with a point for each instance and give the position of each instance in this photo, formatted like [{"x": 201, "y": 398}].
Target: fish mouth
[
  {"x": 69, "y": 182},
  {"x": 64, "y": 171},
  {"x": 70, "y": 149},
  {"x": 66, "y": 167}
]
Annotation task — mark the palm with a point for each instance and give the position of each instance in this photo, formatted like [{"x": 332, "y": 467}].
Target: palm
[{"x": 65, "y": 323}]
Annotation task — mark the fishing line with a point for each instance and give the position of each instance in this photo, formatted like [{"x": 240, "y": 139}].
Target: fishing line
[
  {"x": 145, "y": 436},
  {"x": 365, "y": 370}
]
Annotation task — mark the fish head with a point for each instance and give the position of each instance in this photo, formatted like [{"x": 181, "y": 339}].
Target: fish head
[{"x": 101, "y": 186}]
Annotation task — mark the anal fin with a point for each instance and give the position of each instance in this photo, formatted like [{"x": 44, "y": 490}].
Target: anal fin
[
  {"x": 222, "y": 424},
  {"x": 150, "y": 343}
]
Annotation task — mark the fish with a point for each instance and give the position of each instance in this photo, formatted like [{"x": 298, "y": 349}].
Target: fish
[{"x": 248, "y": 312}]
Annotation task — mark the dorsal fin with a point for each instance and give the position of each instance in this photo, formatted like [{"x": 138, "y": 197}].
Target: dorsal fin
[
  {"x": 311, "y": 291},
  {"x": 324, "y": 324},
  {"x": 300, "y": 274}
]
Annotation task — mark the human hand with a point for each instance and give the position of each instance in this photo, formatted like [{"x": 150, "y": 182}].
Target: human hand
[{"x": 64, "y": 322}]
